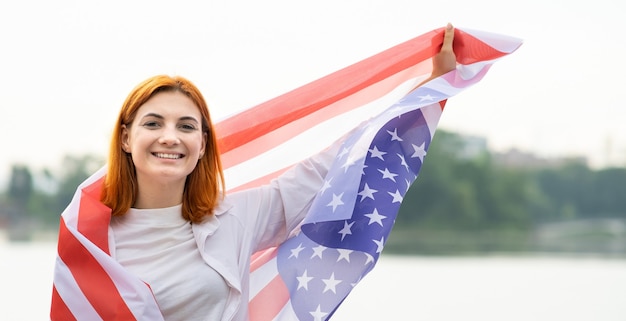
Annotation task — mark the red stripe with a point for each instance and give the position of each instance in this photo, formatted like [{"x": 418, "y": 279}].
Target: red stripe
[
  {"x": 93, "y": 216},
  {"x": 470, "y": 49},
  {"x": 269, "y": 302},
  {"x": 58, "y": 310},
  {"x": 259, "y": 181},
  {"x": 91, "y": 277},
  {"x": 259, "y": 259},
  {"x": 323, "y": 92}
]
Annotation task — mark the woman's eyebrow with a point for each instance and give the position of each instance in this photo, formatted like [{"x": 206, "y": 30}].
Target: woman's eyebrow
[
  {"x": 153, "y": 115},
  {"x": 189, "y": 118}
]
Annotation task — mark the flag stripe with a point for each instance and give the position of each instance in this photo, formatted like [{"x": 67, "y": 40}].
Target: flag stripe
[
  {"x": 259, "y": 181},
  {"x": 260, "y": 258},
  {"x": 93, "y": 216},
  {"x": 270, "y": 301},
  {"x": 286, "y": 313},
  {"x": 264, "y": 274},
  {"x": 92, "y": 279},
  {"x": 473, "y": 49}
]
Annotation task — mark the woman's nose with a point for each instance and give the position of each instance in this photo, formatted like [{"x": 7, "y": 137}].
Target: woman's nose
[{"x": 169, "y": 137}]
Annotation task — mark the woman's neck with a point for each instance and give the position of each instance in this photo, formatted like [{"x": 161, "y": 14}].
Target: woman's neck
[{"x": 159, "y": 194}]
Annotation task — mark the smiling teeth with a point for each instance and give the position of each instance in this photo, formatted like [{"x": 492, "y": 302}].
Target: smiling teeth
[{"x": 169, "y": 156}]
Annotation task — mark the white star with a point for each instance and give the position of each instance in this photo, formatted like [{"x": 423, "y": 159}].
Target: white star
[
  {"x": 303, "y": 281},
  {"x": 369, "y": 258},
  {"x": 318, "y": 250},
  {"x": 394, "y": 135},
  {"x": 344, "y": 151},
  {"x": 397, "y": 197},
  {"x": 336, "y": 201},
  {"x": 344, "y": 254},
  {"x": 377, "y": 153},
  {"x": 331, "y": 284},
  {"x": 346, "y": 229},
  {"x": 318, "y": 315},
  {"x": 295, "y": 252},
  {"x": 349, "y": 162},
  {"x": 408, "y": 185},
  {"x": 420, "y": 152},
  {"x": 380, "y": 244},
  {"x": 387, "y": 174},
  {"x": 326, "y": 186},
  {"x": 403, "y": 162},
  {"x": 375, "y": 217},
  {"x": 367, "y": 192},
  {"x": 427, "y": 97}
]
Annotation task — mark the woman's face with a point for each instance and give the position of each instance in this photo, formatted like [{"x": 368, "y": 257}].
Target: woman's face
[{"x": 165, "y": 139}]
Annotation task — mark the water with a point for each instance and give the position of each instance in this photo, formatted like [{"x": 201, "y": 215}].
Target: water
[{"x": 402, "y": 288}]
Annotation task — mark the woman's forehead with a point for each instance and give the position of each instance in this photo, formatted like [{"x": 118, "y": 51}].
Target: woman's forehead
[{"x": 170, "y": 105}]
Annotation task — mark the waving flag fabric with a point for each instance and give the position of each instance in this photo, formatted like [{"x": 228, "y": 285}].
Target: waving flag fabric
[{"x": 341, "y": 239}]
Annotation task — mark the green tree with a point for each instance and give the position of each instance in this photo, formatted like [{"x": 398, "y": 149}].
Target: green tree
[{"x": 20, "y": 187}]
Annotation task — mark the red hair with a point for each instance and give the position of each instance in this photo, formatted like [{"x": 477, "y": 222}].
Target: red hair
[{"x": 203, "y": 185}]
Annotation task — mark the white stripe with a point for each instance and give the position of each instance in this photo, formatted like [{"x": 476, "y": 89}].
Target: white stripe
[
  {"x": 432, "y": 114},
  {"x": 470, "y": 71},
  {"x": 286, "y": 313},
  {"x": 262, "y": 276}
]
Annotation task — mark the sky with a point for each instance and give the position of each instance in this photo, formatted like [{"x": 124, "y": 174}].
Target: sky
[{"x": 66, "y": 66}]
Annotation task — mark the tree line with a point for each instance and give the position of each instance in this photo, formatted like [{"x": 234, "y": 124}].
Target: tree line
[
  {"x": 480, "y": 192},
  {"x": 36, "y": 199},
  {"x": 454, "y": 191}
]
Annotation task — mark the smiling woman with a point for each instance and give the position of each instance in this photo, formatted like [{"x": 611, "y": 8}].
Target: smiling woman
[
  {"x": 156, "y": 236},
  {"x": 164, "y": 128}
]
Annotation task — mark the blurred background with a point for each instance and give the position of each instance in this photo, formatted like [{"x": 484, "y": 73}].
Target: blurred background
[{"x": 519, "y": 211}]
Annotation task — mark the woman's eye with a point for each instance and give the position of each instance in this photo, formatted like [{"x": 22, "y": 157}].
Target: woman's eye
[
  {"x": 151, "y": 124},
  {"x": 188, "y": 127}
]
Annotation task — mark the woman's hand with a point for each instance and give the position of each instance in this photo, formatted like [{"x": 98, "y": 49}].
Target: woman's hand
[{"x": 445, "y": 60}]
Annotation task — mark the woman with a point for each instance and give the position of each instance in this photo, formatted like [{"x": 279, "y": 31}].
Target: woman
[{"x": 172, "y": 226}]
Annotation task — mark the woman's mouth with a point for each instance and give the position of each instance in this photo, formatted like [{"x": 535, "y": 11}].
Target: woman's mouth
[{"x": 168, "y": 156}]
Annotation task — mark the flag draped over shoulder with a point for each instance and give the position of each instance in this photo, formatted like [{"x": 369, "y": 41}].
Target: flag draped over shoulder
[{"x": 340, "y": 240}]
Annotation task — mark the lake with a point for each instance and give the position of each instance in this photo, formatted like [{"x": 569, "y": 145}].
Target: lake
[{"x": 494, "y": 288}]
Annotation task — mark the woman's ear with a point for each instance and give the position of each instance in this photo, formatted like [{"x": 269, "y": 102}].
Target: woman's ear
[
  {"x": 124, "y": 139},
  {"x": 203, "y": 149}
]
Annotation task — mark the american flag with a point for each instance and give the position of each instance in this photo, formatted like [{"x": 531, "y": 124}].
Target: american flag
[
  {"x": 340, "y": 241},
  {"x": 308, "y": 276}
]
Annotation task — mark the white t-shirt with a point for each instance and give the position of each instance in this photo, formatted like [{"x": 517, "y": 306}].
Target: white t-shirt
[{"x": 158, "y": 246}]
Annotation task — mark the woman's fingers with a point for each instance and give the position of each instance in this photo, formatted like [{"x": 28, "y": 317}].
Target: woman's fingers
[{"x": 448, "y": 38}]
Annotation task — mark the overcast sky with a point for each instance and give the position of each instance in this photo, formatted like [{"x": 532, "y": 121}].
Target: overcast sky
[{"x": 66, "y": 66}]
